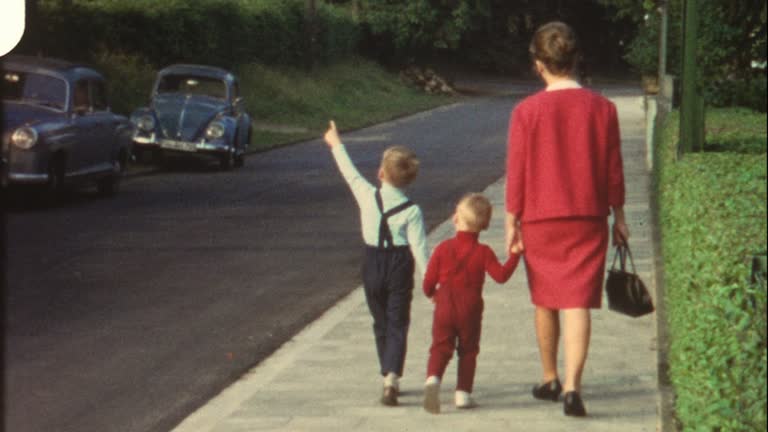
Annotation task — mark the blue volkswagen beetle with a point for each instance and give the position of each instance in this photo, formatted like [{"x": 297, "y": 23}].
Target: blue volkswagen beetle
[
  {"x": 194, "y": 110},
  {"x": 58, "y": 128}
]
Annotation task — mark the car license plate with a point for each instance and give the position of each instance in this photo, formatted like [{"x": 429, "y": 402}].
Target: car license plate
[{"x": 178, "y": 145}]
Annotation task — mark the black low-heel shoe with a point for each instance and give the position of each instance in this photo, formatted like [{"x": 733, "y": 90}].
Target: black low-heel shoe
[
  {"x": 548, "y": 391},
  {"x": 573, "y": 405}
]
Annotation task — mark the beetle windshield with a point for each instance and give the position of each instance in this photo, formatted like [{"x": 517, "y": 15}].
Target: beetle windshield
[
  {"x": 34, "y": 88},
  {"x": 190, "y": 84}
]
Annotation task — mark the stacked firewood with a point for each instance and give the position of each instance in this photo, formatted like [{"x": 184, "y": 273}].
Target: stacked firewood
[{"x": 427, "y": 79}]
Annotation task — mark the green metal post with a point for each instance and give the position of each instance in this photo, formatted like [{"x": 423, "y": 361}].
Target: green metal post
[{"x": 692, "y": 106}]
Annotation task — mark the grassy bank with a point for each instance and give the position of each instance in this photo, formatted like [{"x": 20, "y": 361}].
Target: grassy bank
[
  {"x": 713, "y": 219},
  {"x": 289, "y": 104}
]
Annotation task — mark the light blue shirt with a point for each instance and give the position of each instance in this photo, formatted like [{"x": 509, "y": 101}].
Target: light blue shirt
[{"x": 407, "y": 227}]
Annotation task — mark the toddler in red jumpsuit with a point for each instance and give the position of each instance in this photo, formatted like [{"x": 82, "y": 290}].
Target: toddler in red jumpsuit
[{"x": 454, "y": 281}]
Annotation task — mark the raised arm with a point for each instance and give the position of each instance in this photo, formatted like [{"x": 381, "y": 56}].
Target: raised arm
[
  {"x": 500, "y": 273},
  {"x": 360, "y": 187}
]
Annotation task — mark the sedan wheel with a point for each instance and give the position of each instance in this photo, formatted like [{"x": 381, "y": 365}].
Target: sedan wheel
[
  {"x": 55, "y": 186},
  {"x": 240, "y": 160},
  {"x": 227, "y": 161},
  {"x": 110, "y": 185}
]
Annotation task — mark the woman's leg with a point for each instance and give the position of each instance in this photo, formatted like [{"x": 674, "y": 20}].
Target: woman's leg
[
  {"x": 577, "y": 331},
  {"x": 548, "y": 335}
]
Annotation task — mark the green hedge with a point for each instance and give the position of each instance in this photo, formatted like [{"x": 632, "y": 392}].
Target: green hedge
[
  {"x": 226, "y": 33},
  {"x": 129, "y": 80},
  {"x": 749, "y": 93},
  {"x": 713, "y": 218}
]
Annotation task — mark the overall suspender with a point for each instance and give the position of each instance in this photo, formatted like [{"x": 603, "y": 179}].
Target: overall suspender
[{"x": 385, "y": 235}]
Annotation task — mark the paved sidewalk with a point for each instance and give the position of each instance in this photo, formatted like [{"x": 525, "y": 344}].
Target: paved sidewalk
[{"x": 325, "y": 379}]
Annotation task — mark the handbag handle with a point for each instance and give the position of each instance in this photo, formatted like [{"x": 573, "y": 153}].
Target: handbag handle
[{"x": 622, "y": 251}]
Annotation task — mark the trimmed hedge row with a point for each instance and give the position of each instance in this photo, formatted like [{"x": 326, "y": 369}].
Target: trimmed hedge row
[
  {"x": 713, "y": 218},
  {"x": 219, "y": 32},
  {"x": 749, "y": 93}
]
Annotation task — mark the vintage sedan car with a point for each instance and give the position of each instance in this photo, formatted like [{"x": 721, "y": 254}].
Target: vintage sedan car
[
  {"x": 194, "y": 110},
  {"x": 58, "y": 128}
]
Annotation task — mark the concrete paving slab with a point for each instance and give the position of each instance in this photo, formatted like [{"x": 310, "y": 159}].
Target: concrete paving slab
[{"x": 325, "y": 379}]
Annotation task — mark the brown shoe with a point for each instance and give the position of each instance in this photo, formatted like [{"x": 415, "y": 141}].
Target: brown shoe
[
  {"x": 432, "y": 398},
  {"x": 389, "y": 396}
]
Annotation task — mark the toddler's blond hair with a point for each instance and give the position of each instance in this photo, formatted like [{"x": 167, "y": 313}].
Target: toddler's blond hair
[
  {"x": 475, "y": 211},
  {"x": 400, "y": 166}
]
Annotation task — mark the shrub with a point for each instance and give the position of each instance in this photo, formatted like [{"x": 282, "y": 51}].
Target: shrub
[
  {"x": 643, "y": 51},
  {"x": 713, "y": 218},
  {"x": 219, "y": 32},
  {"x": 129, "y": 80},
  {"x": 736, "y": 130},
  {"x": 749, "y": 93}
]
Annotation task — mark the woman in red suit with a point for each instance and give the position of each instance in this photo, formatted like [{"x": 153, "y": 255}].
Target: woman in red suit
[{"x": 564, "y": 178}]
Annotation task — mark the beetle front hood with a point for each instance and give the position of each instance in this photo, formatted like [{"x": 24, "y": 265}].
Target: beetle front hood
[
  {"x": 185, "y": 117},
  {"x": 18, "y": 114}
]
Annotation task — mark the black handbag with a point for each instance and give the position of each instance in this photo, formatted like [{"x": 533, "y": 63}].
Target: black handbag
[{"x": 627, "y": 294}]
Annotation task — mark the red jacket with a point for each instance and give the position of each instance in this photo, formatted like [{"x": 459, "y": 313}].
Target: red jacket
[
  {"x": 467, "y": 283},
  {"x": 564, "y": 156}
]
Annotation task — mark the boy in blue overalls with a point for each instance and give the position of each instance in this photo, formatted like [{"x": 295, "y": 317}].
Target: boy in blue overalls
[{"x": 393, "y": 231}]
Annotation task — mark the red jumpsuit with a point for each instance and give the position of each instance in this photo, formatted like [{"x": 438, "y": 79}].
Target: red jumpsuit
[{"x": 458, "y": 266}]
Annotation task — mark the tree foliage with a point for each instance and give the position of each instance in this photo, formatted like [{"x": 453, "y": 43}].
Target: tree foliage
[
  {"x": 424, "y": 23},
  {"x": 489, "y": 33},
  {"x": 732, "y": 35},
  {"x": 221, "y": 32}
]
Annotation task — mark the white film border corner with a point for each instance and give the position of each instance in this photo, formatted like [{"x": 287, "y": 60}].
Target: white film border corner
[{"x": 11, "y": 25}]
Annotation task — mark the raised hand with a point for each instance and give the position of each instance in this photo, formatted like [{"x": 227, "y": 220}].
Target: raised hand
[{"x": 332, "y": 136}]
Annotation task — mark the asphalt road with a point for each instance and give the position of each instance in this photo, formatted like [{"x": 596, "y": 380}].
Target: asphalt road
[{"x": 126, "y": 314}]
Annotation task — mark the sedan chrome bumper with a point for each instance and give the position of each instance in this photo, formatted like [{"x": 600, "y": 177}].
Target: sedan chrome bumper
[
  {"x": 27, "y": 178},
  {"x": 181, "y": 146}
]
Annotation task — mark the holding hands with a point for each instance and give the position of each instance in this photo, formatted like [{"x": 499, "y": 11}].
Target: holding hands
[
  {"x": 332, "y": 136},
  {"x": 514, "y": 238}
]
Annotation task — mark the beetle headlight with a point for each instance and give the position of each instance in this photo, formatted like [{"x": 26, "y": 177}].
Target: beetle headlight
[
  {"x": 146, "y": 123},
  {"x": 215, "y": 130},
  {"x": 24, "y": 137}
]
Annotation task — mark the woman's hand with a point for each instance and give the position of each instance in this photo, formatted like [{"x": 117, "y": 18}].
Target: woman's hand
[
  {"x": 620, "y": 233},
  {"x": 514, "y": 238},
  {"x": 332, "y": 136},
  {"x": 620, "y": 228}
]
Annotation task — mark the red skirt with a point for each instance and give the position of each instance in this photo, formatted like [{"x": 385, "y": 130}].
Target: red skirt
[{"x": 565, "y": 262}]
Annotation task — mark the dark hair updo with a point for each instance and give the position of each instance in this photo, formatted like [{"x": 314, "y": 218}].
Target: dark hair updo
[{"x": 555, "y": 45}]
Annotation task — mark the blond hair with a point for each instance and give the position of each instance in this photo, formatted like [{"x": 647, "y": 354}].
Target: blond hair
[
  {"x": 400, "y": 166},
  {"x": 475, "y": 211}
]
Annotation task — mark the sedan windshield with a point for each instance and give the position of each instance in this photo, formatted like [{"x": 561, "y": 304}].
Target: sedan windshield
[
  {"x": 34, "y": 88},
  {"x": 196, "y": 85}
]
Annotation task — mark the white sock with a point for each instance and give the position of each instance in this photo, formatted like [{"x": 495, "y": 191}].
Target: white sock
[
  {"x": 433, "y": 380},
  {"x": 462, "y": 398},
  {"x": 391, "y": 380}
]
